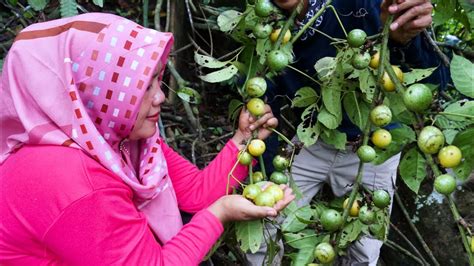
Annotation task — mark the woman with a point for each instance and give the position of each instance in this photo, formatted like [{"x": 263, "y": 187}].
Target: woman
[{"x": 85, "y": 177}]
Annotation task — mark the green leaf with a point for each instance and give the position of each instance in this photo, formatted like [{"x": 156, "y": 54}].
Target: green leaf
[
  {"x": 462, "y": 73},
  {"x": 234, "y": 107},
  {"x": 325, "y": 67},
  {"x": 350, "y": 233},
  {"x": 449, "y": 135},
  {"x": 304, "y": 97},
  {"x": 332, "y": 97},
  {"x": 227, "y": 20},
  {"x": 416, "y": 75},
  {"x": 413, "y": 169},
  {"x": 357, "y": 110},
  {"x": 303, "y": 257},
  {"x": 207, "y": 61},
  {"x": 380, "y": 228},
  {"x": 399, "y": 111},
  {"x": 98, "y": 2},
  {"x": 38, "y": 5},
  {"x": 463, "y": 141},
  {"x": 220, "y": 75},
  {"x": 308, "y": 130},
  {"x": 335, "y": 138},
  {"x": 292, "y": 224},
  {"x": 189, "y": 95},
  {"x": 464, "y": 170},
  {"x": 444, "y": 10},
  {"x": 249, "y": 234},
  {"x": 304, "y": 239},
  {"x": 400, "y": 138},
  {"x": 68, "y": 8},
  {"x": 462, "y": 111},
  {"x": 327, "y": 119},
  {"x": 367, "y": 84}
]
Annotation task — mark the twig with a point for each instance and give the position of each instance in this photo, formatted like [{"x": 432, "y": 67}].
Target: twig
[
  {"x": 400, "y": 233},
  {"x": 395, "y": 246},
  {"x": 310, "y": 22},
  {"x": 438, "y": 51},
  {"x": 145, "y": 13}
]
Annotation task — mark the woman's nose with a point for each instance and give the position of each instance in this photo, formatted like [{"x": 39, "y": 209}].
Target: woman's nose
[{"x": 159, "y": 98}]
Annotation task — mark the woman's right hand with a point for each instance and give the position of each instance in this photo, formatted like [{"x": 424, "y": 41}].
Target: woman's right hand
[{"x": 237, "y": 208}]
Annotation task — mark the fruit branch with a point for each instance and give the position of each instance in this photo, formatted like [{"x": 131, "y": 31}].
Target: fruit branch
[
  {"x": 310, "y": 22},
  {"x": 287, "y": 25},
  {"x": 395, "y": 246},
  {"x": 400, "y": 233},
  {"x": 338, "y": 19}
]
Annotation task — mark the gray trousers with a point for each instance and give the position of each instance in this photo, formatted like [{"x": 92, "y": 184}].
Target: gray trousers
[{"x": 322, "y": 163}]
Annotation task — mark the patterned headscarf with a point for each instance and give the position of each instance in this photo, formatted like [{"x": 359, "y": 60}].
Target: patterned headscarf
[{"x": 79, "y": 82}]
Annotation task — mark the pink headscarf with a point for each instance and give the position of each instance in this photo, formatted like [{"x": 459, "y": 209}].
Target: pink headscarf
[{"x": 79, "y": 82}]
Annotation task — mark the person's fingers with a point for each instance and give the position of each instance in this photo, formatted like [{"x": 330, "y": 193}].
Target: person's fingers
[
  {"x": 405, "y": 5},
  {"x": 287, "y": 198},
  {"x": 255, "y": 212},
  {"x": 272, "y": 122},
  {"x": 418, "y": 24},
  {"x": 262, "y": 120},
  {"x": 411, "y": 14}
]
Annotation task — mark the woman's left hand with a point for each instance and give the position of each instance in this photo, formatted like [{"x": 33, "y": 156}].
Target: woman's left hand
[{"x": 248, "y": 123}]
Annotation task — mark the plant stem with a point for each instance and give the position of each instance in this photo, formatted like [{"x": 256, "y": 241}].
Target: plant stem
[
  {"x": 262, "y": 166},
  {"x": 395, "y": 246},
  {"x": 338, "y": 19},
  {"x": 282, "y": 136},
  {"x": 145, "y": 13},
  {"x": 400, "y": 233},
  {"x": 287, "y": 25},
  {"x": 414, "y": 229},
  {"x": 310, "y": 22}
]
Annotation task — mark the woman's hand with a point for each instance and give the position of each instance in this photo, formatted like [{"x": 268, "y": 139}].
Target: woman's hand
[
  {"x": 411, "y": 18},
  {"x": 237, "y": 208},
  {"x": 248, "y": 123}
]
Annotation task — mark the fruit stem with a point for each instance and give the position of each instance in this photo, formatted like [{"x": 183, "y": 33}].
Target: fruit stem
[
  {"x": 262, "y": 166},
  {"x": 338, "y": 19},
  {"x": 281, "y": 136},
  {"x": 414, "y": 229},
  {"x": 288, "y": 24},
  {"x": 251, "y": 173},
  {"x": 310, "y": 22}
]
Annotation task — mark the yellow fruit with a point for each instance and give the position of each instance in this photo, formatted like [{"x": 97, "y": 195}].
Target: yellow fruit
[
  {"x": 354, "y": 211},
  {"x": 387, "y": 83},
  {"x": 276, "y": 33},
  {"x": 381, "y": 138},
  {"x": 472, "y": 244},
  {"x": 374, "y": 61},
  {"x": 256, "y": 147},
  {"x": 450, "y": 156}
]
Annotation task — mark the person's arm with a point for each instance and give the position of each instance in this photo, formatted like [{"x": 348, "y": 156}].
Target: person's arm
[{"x": 105, "y": 228}]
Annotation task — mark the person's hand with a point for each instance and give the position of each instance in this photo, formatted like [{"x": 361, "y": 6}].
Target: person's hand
[
  {"x": 248, "y": 123},
  {"x": 410, "y": 18},
  {"x": 237, "y": 208}
]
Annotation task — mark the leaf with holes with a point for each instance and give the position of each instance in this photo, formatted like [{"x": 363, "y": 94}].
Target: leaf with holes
[
  {"x": 308, "y": 130},
  {"x": 249, "y": 234},
  {"x": 304, "y": 97},
  {"x": 189, "y": 95},
  {"x": 367, "y": 84},
  {"x": 462, "y": 73},
  {"x": 350, "y": 233},
  {"x": 207, "y": 61},
  {"x": 227, "y": 20},
  {"x": 325, "y": 67},
  {"x": 413, "y": 169},
  {"x": 416, "y": 75},
  {"x": 220, "y": 75},
  {"x": 304, "y": 239},
  {"x": 462, "y": 111}
]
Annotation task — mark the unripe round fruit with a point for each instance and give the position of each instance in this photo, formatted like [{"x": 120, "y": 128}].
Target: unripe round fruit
[
  {"x": 278, "y": 178},
  {"x": 324, "y": 253},
  {"x": 256, "y": 87},
  {"x": 262, "y": 31},
  {"x": 277, "y": 60},
  {"x": 276, "y": 33},
  {"x": 256, "y": 106},
  {"x": 430, "y": 140},
  {"x": 445, "y": 184},
  {"x": 354, "y": 211},
  {"x": 381, "y": 116},
  {"x": 280, "y": 163},
  {"x": 381, "y": 198},
  {"x": 356, "y": 38},
  {"x": 361, "y": 61},
  {"x": 375, "y": 60},
  {"x": 251, "y": 191},
  {"x": 265, "y": 199},
  {"x": 331, "y": 220},
  {"x": 245, "y": 158},
  {"x": 257, "y": 177},
  {"x": 263, "y": 8},
  {"x": 256, "y": 147},
  {"x": 417, "y": 98},
  {"x": 450, "y": 156},
  {"x": 387, "y": 83},
  {"x": 366, "y": 215},
  {"x": 366, "y": 153},
  {"x": 276, "y": 191},
  {"x": 381, "y": 138}
]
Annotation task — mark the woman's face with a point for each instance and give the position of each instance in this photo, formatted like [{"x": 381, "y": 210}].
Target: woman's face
[{"x": 148, "y": 116}]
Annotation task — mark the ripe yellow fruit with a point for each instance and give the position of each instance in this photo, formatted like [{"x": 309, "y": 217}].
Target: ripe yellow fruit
[
  {"x": 276, "y": 33},
  {"x": 381, "y": 138},
  {"x": 450, "y": 156},
  {"x": 387, "y": 83},
  {"x": 256, "y": 147},
  {"x": 354, "y": 211},
  {"x": 375, "y": 60}
]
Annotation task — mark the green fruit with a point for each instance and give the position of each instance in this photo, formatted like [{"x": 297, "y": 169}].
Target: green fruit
[
  {"x": 366, "y": 215},
  {"x": 381, "y": 198},
  {"x": 430, "y": 140},
  {"x": 245, "y": 158},
  {"x": 366, "y": 153},
  {"x": 256, "y": 147},
  {"x": 331, "y": 220},
  {"x": 257, "y": 177},
  {"x": 278, "y": 178},
  {"x": 262, "y": 31},
  {"x": 356, "y": 38},
  {"x": 263, "y": 8},
  {"x": 381, "y": 138},
  {"x": 361, "y": 61},
  {"x": 280, "y": 163},
  {"x": 276, "y": 191},
  {"x": 445, "y": 184},
  {"x": 450, "y": 156},
  {"x": 251, "y": 191},
  {"x": 256, "y": 106},
  {"x": 417, "y": 98},
  {"x": 256, "y": 87},
  {"x": 265, "y": 199},
  {"x": 472, "y": 244},
  {"x": 277, "y": 60},
  {"x": 324, "y": 253},
  {"x": 381, "y": 116}
]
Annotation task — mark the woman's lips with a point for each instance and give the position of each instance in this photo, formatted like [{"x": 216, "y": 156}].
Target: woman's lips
[{"x": 153, "y": 117}]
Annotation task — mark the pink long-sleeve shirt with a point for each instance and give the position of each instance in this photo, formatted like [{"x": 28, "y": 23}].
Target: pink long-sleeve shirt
[{"x": 59, "y": 206}]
